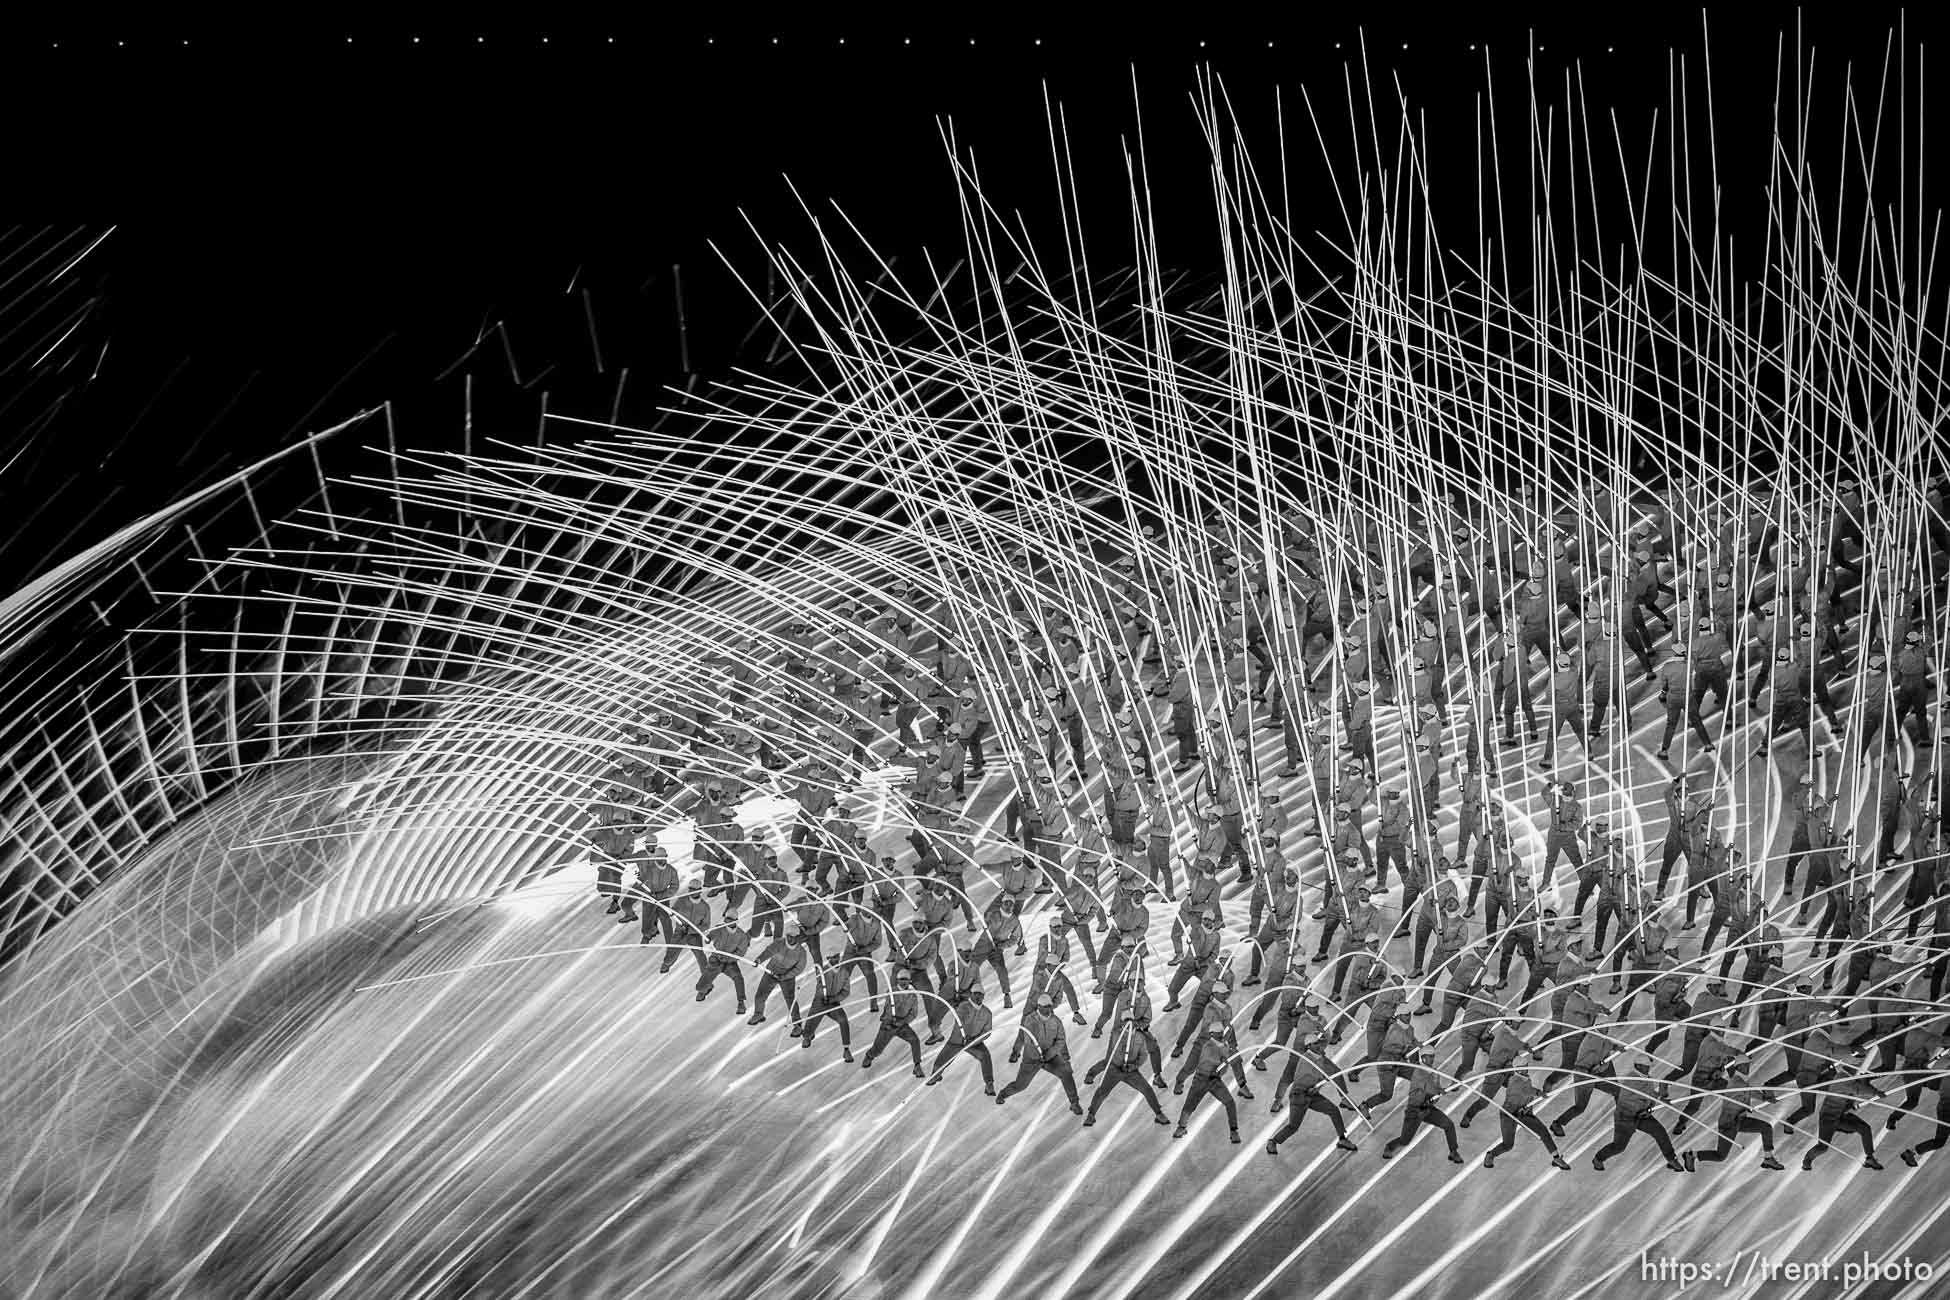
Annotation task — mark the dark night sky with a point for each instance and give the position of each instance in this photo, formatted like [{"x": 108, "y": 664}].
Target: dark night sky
[{"x": 307, "y": 227}]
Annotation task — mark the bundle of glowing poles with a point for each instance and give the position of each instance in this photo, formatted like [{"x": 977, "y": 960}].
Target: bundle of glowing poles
[{"x": 1001, "y": 436}]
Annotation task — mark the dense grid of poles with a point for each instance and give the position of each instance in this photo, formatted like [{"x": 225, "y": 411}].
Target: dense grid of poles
[{"x": 1190, "y": 560}]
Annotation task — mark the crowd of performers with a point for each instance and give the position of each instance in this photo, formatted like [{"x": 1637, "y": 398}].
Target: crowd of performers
[{"x": 1113, "y": 769}]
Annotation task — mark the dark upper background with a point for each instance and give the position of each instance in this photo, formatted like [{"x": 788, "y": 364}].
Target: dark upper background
[{"x": 306, "y": 226}]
